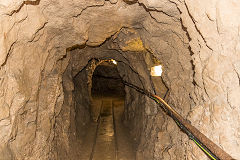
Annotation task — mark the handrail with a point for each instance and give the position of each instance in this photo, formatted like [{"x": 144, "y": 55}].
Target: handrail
[{"x": 205, "y": 144}]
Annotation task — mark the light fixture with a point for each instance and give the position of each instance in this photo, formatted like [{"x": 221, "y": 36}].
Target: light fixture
[
  {"x": 156, "y": 70},
  {"x": 114, "y": 61}
]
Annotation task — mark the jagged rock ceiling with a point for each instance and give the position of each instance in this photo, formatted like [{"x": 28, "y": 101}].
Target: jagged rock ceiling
[{"x": 196, "y": 41}]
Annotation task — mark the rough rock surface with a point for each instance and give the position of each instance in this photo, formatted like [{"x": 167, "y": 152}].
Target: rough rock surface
[{"x": 46, "y": 45}]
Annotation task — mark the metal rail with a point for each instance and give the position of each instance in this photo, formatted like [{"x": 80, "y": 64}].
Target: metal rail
[{"x": 205, "y": 144}]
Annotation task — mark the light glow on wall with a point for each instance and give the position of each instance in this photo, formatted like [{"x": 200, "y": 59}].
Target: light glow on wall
[
  {"x": 114, "y": 61},
  {"x": 156, "y": 70}
]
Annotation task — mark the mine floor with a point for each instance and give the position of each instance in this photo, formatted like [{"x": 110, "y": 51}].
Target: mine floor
[{"x": 107, "y": 138}]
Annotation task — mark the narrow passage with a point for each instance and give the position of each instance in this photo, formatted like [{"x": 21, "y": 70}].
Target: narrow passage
[{"x": 107, "y": 138}]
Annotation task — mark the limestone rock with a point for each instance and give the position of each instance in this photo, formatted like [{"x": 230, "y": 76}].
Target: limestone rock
[{"x": 46, "y": 45}]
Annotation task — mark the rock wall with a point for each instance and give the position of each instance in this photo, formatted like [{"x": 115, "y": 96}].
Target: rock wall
[
  {"x": 45, "y": 44},
  {"x": 213, "y": 27},
  {"x": 165, "y": 37},
  {"x": 81, "y": 101},
  {"x": 34, "y": 40}
]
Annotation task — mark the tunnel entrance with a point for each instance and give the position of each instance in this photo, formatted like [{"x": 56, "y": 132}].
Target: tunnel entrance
[
  {"x": 100, "y": 96},
  {"x": 106, "y": 81},
  {"x": 106, "y": 137}
]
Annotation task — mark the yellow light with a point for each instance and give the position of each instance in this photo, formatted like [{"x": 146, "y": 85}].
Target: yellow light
[
  {"x": 156, "y": 70},
  {"x": 114, "y": 61}
]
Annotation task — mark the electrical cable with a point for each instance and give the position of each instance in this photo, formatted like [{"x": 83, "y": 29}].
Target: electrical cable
[{"x": 172, "y": 113}]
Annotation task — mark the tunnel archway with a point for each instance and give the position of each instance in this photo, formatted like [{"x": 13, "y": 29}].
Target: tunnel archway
[
  {"x": 44, "y": 46},
  {"x": 82, "y": 81},
  {"x": 111, "y": 139}
]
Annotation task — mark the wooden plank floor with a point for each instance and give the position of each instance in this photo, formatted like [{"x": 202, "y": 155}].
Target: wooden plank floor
[{"x": 107, "y": 138}]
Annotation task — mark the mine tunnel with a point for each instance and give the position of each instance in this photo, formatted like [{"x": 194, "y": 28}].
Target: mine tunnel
[
  {"x": 106, "y": 80},
  {"x": 119, "y": 79}
]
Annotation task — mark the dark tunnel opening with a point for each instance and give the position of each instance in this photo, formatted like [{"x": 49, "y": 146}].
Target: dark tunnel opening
[
  {"x": 106, "y": 81},
  {"x": 97, "y": 83},
  {"x": 101, "y": 129}
]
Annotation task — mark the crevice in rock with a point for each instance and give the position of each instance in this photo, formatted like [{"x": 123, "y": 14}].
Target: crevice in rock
[
  {"x": 196, "y": 27},
  {"x": 24, "y": 3},
  {"x": 8, "y": 53},
  {"x": 98, "y": 5}
]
